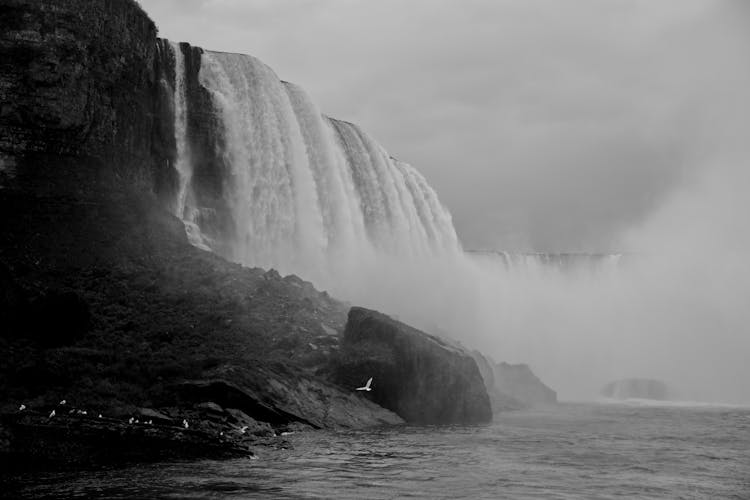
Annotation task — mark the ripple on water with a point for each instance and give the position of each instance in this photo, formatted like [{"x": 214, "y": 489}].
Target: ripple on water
[{"x": 589, "y": 451}]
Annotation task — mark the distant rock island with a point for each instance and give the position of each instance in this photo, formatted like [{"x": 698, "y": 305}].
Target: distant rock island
[{"x": 640, "y": 388}]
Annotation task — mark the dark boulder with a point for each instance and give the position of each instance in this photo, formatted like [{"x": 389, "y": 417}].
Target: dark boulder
[{"x": 419, "y": 376}]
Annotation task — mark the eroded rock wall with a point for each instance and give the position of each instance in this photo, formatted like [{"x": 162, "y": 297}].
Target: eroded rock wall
[{"x": 79, "y": 91}]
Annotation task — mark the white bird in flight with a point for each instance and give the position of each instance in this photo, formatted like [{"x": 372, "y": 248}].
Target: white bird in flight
[
  {"x": 243, "y": 429},
  {"x": 366, "y": 386}
]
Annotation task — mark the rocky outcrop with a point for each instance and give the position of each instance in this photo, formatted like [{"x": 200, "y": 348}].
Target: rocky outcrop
[
  {"x": 520, "y": 383},
  {"x": 512, "y": 387},
  {"x": 418, "y": 376},
  {"x": 78, "y": 91},
  {"x": 74, "y": 439},
  {"x": 281, "y": 395},
  {"x": 640, "y": 388}
]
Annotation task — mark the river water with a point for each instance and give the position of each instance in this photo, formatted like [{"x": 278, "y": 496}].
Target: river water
[{"x": 633, "y": 450}]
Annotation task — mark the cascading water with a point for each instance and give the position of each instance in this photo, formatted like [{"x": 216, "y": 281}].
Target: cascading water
[
  {"x": 183, "y": 163},
  {"x": 182, "y": 159},
  {"x": 309, "y": 194}
]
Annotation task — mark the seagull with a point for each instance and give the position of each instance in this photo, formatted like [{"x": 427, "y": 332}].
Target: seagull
[
  {"x": 22, "y": 408},
  {"x": 62, "y": 402},
  {"x": 366, "y": 386},
  {"x": 243, "y": 429},
  {"x": 184, "y": 423},
  {"x": 84, "y": 412},
  {"x": 150, "y": 422},
  {"x": 131, "y": 420},
  {"x": 100, "y": 415},
  {"x": 52, "y": 414}
]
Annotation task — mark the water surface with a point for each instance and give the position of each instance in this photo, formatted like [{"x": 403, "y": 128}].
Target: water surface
[{"x": 573, "y": 451}]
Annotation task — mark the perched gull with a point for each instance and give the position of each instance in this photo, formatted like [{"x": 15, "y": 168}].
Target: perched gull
[
  {"x": 100, "y": 415},
  {"x": 367, "y": 386},
  {"x": 22, "y": 408},
  {"x": 184, "y": 423},
  {"x": 62, "y": 402},
  {"x": 243, "y": 429},
  {"x": 52, "y": 414},
  {"x": 131, "y": 420},
  {"x": 150, "y": 422}
]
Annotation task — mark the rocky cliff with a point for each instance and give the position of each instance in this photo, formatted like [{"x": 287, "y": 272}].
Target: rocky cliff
[
  {"x": 420, "y": 377},
  {"x": 79, "y": 90}
]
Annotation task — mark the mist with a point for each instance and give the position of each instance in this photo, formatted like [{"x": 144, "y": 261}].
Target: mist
[
  {"x": 672, "y": 307},
  {"x": 630, "y": 138}
]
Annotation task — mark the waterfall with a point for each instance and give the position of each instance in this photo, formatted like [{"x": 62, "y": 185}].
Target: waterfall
[
  {"x": 183, "y": 162},
  {"x": 547, "y": 265},
  {"x": 182, "y": 158},
  {"x": 310, "y": 194}
]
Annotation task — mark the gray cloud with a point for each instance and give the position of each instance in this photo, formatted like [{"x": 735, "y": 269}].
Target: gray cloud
[{"x": 543, "y": 125}]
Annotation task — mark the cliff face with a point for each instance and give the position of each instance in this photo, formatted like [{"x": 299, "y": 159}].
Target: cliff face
[
  {"x": 78, "y": 88},
  {"x": 416, "y": 375}
]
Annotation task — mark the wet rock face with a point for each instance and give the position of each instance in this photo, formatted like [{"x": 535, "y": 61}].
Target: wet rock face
[
  {"x": 77, "y": 87},
  {"x": 416, "y": 375}
]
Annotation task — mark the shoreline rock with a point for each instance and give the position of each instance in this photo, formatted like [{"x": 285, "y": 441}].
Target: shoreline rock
[{"x": 418, "y": 376}]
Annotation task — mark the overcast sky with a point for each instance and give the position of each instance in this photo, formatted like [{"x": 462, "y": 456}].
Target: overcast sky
[{"x": 543, "y": 125}]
